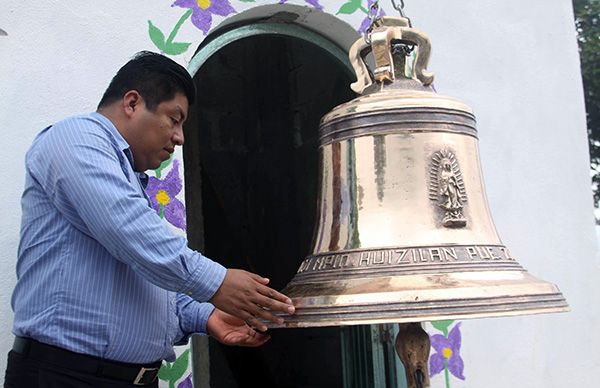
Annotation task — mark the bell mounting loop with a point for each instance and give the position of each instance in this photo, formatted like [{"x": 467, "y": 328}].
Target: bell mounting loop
[
  {"x": 386, "y": 34},
  {"x": 372, "y": 14}
]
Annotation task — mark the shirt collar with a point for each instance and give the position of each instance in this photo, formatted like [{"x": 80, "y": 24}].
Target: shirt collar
[
  {"x": 121, "y": 143},
  {"x": 107, "y": 124}
]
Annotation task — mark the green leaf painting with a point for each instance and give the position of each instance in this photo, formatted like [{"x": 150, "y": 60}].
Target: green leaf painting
[
  {"x": 177, "y": 48},
  {"x": 167, "y": 45},
  {"x": 156, "y": 35},
  {"x": 442, "y": 326},
  {"x": 173, "y": 371},
  {"x": 351, "y": 7},
  {"x": 163, "y": 165}
]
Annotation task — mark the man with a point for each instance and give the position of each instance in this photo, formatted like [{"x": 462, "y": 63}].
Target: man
[{"x": 104, "y": 288}]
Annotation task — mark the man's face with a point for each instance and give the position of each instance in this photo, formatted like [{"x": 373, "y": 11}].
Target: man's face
[{"x": 154, "y": 135}]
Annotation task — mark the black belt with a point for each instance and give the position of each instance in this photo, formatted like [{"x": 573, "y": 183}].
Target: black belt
[{"x": 136, "y": 374}]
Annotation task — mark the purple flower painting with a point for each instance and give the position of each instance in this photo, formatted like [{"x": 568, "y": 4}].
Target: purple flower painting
[
  {"x": 162, "y": 194},
  {"x": 187, "y": 383},
  {"x": 447, "y": 354},
  {"x": 203, "y": 11},
  {"x": 366, "y": 22},
  {"x": 314, "y": 3}
]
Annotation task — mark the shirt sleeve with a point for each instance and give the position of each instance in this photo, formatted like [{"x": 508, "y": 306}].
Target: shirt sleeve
[
  {"x": 85, "y": 177},
  {"x": 193, "y": 317}
]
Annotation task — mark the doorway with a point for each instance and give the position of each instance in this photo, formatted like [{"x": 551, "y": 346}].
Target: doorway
[{"x": 251, "y": 172}]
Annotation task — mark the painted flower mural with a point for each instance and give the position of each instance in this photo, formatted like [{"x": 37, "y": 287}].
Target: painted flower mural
[
  {"x": 171, "y": 372},
  {"x": 202, "y": 11},
  {"x": 187, "y": 383},
  {"x": 162, "y": 193},
  {"x": 351, "y": 6},
  {"x": 447, "y": 352}
]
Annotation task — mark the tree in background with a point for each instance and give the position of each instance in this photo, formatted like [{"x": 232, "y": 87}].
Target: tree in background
[{"x": 587, "y": 22}]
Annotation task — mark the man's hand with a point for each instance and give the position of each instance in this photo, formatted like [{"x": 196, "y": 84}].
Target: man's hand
[
  {"x": 246, "y": 296},
  {"x": 230, "y": 330}
]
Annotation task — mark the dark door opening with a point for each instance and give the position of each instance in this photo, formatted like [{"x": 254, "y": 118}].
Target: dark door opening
[{"x": 251, "y": 157}]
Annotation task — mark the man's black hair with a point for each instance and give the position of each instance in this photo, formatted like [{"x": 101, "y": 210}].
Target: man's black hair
[{"x": 155, "y": 77}]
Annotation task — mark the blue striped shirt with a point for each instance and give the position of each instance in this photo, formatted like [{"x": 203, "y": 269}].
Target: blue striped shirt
[{"x": 99, "y": 272}]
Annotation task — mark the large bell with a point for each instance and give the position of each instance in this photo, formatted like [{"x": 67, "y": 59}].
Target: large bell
[{"x": 404, "y": 232}]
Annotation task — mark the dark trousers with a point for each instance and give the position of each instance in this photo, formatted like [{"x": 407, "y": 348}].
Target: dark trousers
[{"x": 25, "y": 371}]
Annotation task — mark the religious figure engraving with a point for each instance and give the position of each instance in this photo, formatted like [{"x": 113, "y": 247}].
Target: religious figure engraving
[{"x": 447, "y": 188}]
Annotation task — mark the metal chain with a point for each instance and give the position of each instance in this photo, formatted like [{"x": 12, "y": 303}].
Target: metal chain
[
  {"x": 402, "y": 48},
  {"x": 373, "y": 11},
  {"x": 405, "y": 49},
  {"x": 399, "y": 8}
]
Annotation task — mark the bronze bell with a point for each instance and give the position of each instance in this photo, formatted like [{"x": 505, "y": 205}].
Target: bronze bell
[{"x": 404, "y": 232}]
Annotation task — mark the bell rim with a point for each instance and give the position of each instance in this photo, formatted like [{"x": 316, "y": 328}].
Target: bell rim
[
  {"x": 560, "y": 306},
  {"x": 420, "y": 297}
]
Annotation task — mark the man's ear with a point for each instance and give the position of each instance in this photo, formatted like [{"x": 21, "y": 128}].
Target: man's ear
[{"x": 132, "y": 101}]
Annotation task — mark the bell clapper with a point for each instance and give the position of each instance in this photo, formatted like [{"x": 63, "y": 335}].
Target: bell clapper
[{"x": 412, "y": 346}]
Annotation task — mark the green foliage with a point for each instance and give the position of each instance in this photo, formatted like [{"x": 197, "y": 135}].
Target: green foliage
[
  {"x": 163, "y": 165},
  {"x": 157, "y": 36},
  {"x": 176, "y": 48},
  {"x": 587, "y": 22},
  {"x": 167, "y": 45},
  {"x": 442, "y": 326},
  {"x": 350, "y": 7},
  {"x": 173, "y": 371}
]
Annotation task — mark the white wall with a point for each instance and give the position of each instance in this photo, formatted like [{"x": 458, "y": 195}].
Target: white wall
[
  {"x": 56, "y": 60},
  {"x": 514, "y": 62}
]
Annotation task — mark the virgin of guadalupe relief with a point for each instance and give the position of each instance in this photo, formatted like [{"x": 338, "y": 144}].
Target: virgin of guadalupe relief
[{"x": 447, "y": 188}]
